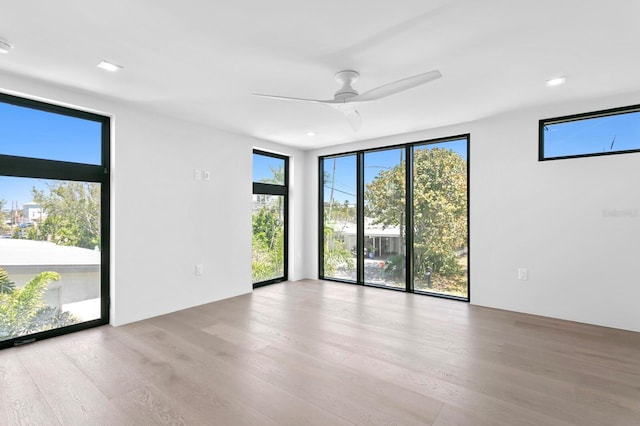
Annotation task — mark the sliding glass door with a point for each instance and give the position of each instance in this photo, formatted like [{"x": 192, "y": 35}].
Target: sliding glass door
[{"x": 54, "y": 228}]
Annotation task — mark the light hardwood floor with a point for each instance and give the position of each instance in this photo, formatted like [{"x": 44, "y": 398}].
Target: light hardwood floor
[{"x": 322, "y": 353}]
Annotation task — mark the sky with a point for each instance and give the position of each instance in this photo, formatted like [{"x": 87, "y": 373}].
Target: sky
[
  {"x": 596, "y": 135},
  {"x": 262, "y": 165},
  {"x": 28, "y": 132}
]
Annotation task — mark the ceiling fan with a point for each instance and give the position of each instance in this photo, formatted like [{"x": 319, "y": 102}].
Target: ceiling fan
[{"x": 346, "y": 98}]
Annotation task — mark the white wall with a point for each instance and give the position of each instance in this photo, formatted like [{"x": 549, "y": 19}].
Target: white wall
[
  {"x": 549, "y": 217},
  {"x": 184, "y": 222},
  {"x": 163, "y": 221}
]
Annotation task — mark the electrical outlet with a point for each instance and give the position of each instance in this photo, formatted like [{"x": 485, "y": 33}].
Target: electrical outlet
[
  {"x": 523, "y": 274},
  {"x": 199, "y": 269},
  {"x": 206, "y": 175},
  {"x": 197, "y": 174}
]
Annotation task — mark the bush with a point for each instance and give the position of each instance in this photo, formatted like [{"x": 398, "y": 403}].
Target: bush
[{"x": 23, "y": 310}]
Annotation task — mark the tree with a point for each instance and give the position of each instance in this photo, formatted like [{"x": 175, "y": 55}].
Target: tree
[
  {"x": 6, "y": 285},
  {"x": 268, "y": 232},
  {"x": 336, "y": 217},
  {"x": 340, "y": 213},
  {"x": 24, "y": 311},
  {"x": 268, "y": 244},
  {"x": 72, "y": 211},
  {"x": 440, "y": 207},
  {"x": 266, "y": 225},
  {"x": 277, "y": 176},
  {"x": 336, "y": 254}
]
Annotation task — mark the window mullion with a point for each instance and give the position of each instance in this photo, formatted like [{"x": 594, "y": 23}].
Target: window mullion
[
  {"x": 360, "y": 217},
  {"x": 409, "y": 219}
]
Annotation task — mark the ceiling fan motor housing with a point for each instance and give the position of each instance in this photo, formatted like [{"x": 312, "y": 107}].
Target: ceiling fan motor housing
[{"x": 346, "y": 78}]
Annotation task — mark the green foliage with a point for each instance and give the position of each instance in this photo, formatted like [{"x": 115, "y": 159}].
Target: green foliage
[
  {"x": 440, "y": 207},
  {"x": 6, "y": 285},
  {"x": 72, "y": 212},
  {"x": 277, "y": 176},
  {"x": 24, "y": 311},
  {"x": 31, "y": 233},
  {"x": 266, "y": 225},
  {"x": 336, "y": 254},
  {"x": 3, "y": 226},
  {"x": 267, "y": 260},
  {"x": 394, "y": 267},
  {"x": 385, "y": 196},
  {"x": 340, "y": 212},
  {"x": 268, "y": 244}
]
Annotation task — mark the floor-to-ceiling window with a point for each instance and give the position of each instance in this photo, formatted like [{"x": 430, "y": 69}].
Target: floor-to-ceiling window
[
  {"x": 397, "y": 217},
  {"x": 54, "y": 220},
  {"x": 339, "y": 214},
  {"x": 385, "y": 216},
  {"x": 440, "y": 218},
  {"x": 269, "y": 219}
]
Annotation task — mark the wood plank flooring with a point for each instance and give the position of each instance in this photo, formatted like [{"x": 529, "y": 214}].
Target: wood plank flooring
[{"x": 322, "y": 353}]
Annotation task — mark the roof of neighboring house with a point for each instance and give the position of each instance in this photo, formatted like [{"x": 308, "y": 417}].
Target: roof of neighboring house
[
  {"x": 370, "y": 230},
  {"x": 14, "y": 252}
]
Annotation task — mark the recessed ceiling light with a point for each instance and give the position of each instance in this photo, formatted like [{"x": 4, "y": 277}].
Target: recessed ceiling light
[
  {"x": 310, "y": 134},
  {"x": 5, "y": 47},
  {"x": 556, "y": 81},
  {"x": 105, "y": 65}
]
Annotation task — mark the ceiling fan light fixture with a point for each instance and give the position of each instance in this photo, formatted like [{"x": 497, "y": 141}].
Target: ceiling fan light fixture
[
  {"x": 109, "y": 66},
  {"x": 5, "y": 47},
  {"x": 556, "y": 81}
]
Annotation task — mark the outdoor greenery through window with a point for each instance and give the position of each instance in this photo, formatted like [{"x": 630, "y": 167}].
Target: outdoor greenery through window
[
  {"x": 440, "y": 218},
  {"x": 384, "y": 218},
  {"x": 53, "y": 208},
  {"x": 613, "y": 131},
  {"x": 340, "y": 227},
  {"x": 412, "y": 229},
  {"x": 269, "y": 219}
]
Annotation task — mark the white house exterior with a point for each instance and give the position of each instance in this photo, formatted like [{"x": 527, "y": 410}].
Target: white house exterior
[
  {"x": 383, "y": 241},
  {"x": 32, "y": 212},
  {"x": 78, "y": 289}
]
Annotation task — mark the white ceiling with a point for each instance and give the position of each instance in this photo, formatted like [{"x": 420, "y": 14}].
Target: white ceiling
[{"x": 201, "y": 60}]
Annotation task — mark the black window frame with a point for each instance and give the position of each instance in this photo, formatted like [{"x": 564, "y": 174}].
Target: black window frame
[
  {"x": 260, "y": 188},
  {"x": 409, "y": 279},
  {"x": 28, "y": 167},
  {"x": 543, "y": 125}
]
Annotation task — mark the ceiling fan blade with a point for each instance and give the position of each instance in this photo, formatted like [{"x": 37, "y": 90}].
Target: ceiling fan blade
[
  {"x": 287, "y": 98},
  {"x": 396, "y": 87}
]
